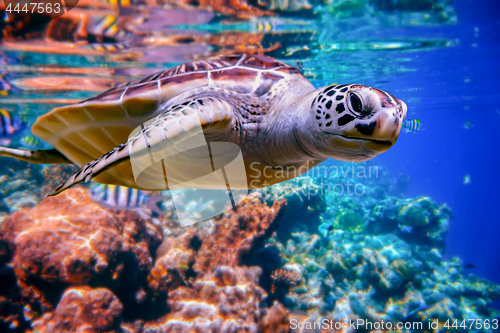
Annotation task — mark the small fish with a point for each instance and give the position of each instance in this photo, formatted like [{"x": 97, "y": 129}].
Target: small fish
[
  {"x": 5, "y": 87},
  {"x": 113, "y": 35},
  {"x": 330, "y": 228},
  {"x": 298, "y": 64},
  {"x": 30, "y": 141},
  {"x": 468, "y": 124},
  {"x": 122, "y": 197},
  {"x": 413, "y": 315},
  {"x": 468, "y": 266},
  {"x": 412, "y": 125},
  {"x": 466, "y": 179},
  {"x": 199, "y": 206},
  {"x": 9, "y": 126},
  {"x": 119, "y": 3},
  {"x": 263, "y": 26},
  {"x": 406, "y": 228}
]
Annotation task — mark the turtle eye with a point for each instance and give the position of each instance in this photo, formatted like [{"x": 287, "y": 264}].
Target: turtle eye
[{"x": 356, "y": 104}]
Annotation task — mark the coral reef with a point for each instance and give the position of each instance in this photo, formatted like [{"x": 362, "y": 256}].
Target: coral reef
[
  {"x": 341, "y": 248},
  {"x": 209, "y": 290},
  {"x": 76, "y": 266},
  {"x": 19, "y": 190},
  {"x": 417, "y": 221},
  {"x": 379, "y": 257},
  {"x": 69, "y": 240},
  {"x": 352, "y": 276},
  {"x": 26, "y": 189}
]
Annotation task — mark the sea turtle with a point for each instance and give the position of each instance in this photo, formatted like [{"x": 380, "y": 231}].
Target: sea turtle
[{"x": 283, "y": 125}]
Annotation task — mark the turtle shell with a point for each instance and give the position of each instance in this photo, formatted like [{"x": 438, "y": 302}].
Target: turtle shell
[{"x": 87, "y": 130}]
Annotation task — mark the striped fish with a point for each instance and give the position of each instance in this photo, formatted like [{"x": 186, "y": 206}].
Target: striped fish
[
  {"x": 412, "y": 125},
  {"x": 119, "y": 2},
  {"x": 9, "y": 127},
  {"x": 121, "y": 197},
  {"x": 263, "y": 26},
  {"x": 108, "y": 35},
  {"x": 30, "y": 141}
]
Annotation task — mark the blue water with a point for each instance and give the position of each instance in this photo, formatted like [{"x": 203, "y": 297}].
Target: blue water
[{"x": 456, "y": 85}]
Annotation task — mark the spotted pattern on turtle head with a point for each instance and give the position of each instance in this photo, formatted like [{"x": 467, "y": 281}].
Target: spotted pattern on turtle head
[{"x": 327, "y": 105}]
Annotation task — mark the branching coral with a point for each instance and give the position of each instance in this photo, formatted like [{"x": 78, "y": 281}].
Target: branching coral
[{"x": 284, "y": 277}]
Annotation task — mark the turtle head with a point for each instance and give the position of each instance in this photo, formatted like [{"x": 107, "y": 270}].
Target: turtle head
[{"x": 356, "y": 121}]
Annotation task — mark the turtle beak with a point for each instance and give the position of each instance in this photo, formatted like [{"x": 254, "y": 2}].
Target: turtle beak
[
  {"x": 379, "y": 132},
  {"x": 387, "y": 128}
]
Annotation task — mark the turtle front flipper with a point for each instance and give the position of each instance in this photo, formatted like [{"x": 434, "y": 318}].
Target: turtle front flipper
[
  {"x": 152, "y": 146},
  {"x": 47, "y": 156}
]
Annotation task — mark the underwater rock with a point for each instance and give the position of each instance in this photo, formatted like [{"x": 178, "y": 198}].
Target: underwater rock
[
  {"x": 349, "y": 220},
  {"x": 70, "y": 240},
  {"x": 413, "y": 212},
  {"x": 83, "y": 309},
  {"x": 228, "y": 302},
  {"x": 20, "y": 200}
]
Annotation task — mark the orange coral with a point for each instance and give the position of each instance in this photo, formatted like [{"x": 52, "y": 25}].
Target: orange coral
[{"x": 173, "y": 258}]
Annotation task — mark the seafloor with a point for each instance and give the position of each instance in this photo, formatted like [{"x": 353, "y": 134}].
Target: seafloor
[{"x": 292, "y": 253}]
